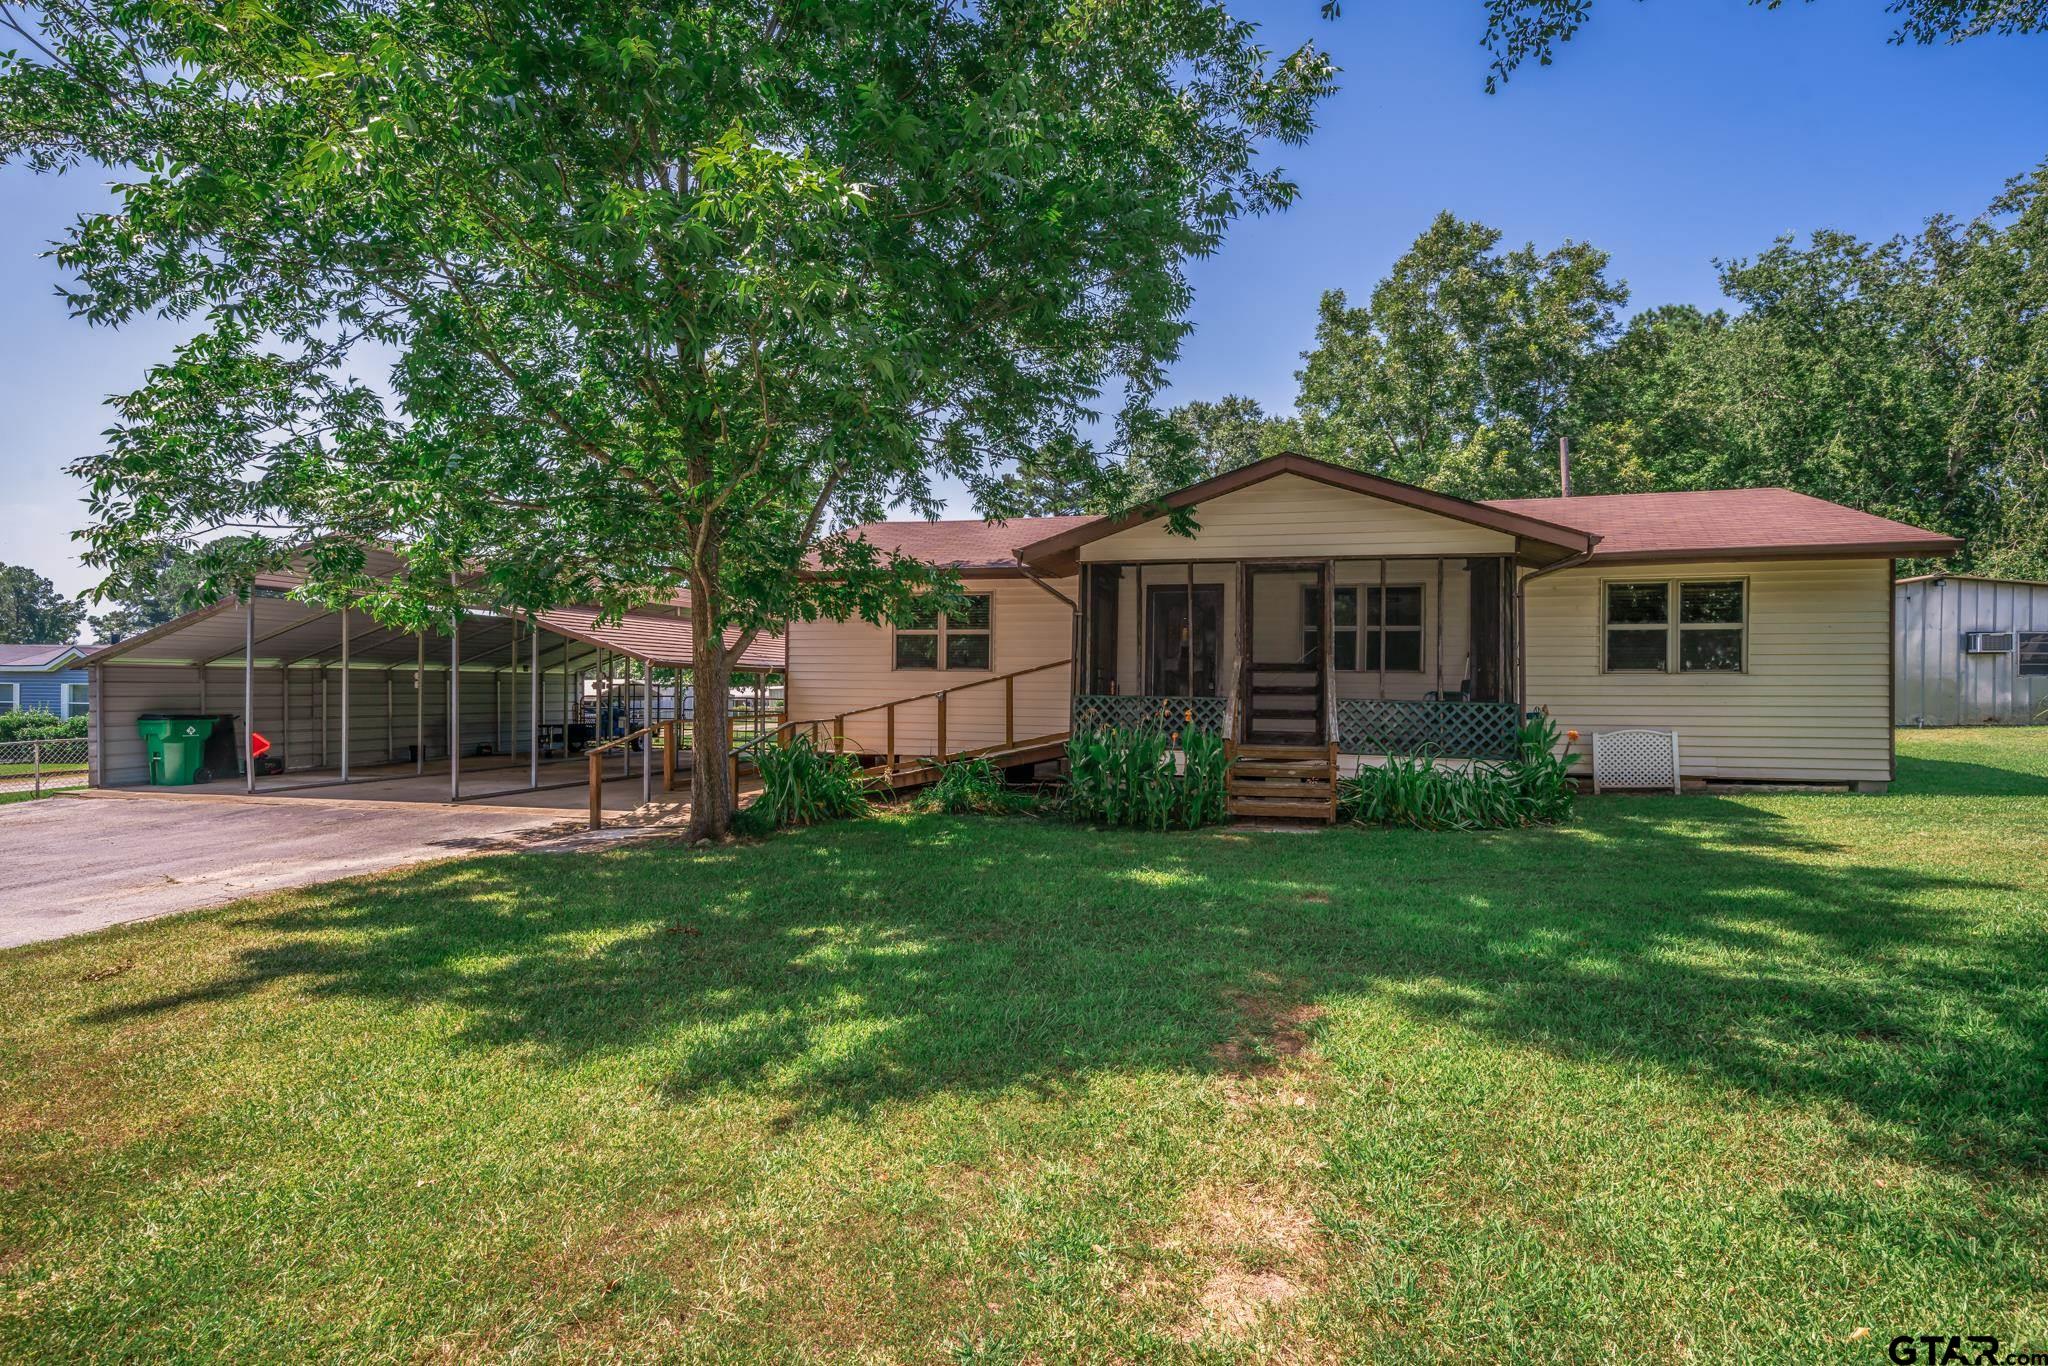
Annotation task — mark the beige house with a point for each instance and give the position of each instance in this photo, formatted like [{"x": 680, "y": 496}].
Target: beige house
[{"x": 1296, "y": 604}]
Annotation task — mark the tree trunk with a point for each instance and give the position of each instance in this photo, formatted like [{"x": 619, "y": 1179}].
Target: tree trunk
[{"x": 711, "y": 791}]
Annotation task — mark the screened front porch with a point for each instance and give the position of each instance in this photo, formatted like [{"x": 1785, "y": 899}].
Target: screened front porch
[{"x": 1397, "y": 655}]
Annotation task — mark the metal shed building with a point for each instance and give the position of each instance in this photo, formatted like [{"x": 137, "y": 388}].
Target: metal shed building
[{"x": 1970, "y": 651}]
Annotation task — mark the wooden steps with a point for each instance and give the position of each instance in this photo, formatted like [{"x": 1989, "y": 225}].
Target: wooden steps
[{"x": 1282, "y": 782}]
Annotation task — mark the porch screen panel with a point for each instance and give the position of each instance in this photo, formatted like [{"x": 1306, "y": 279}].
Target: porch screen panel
[
  {"x": 1105, "y": 586},
  {"x": 1489, "y": 682}
]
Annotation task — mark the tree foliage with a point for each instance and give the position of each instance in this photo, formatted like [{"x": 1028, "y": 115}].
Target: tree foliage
[
  {"x": 1459, "y": 372},
  {"x": 666, "y": 288},
  {"x": 32, "y": 611},
  {"x": 1522, "y": 31},
  {"x": 1907, "y": 377},
  {"x": 148, "y": 591}
]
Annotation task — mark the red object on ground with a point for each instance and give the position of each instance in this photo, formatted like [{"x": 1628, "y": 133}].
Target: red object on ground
[{"x": 258, "y": 746}]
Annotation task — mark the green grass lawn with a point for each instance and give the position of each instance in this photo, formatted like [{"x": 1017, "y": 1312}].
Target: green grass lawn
[{"x": 1694, "y": 1076}]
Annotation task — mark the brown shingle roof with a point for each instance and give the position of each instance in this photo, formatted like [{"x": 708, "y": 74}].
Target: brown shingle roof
[
  {"x": 661, "y": 638},
  {"x": 969, "y": 544},
  {"x": 1728, "y": 523}
]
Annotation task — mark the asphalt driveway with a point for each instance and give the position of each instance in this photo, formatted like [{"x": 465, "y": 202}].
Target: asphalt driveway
[{"x": 70, "y": 864}]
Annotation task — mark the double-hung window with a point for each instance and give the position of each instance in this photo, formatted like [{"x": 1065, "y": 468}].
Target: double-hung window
[
  {"x": 1698, "y": 625},
  {"x": 931, "y": 639},
  {"x": 1391, "y": 625},
  {"x": 10, "y": 697},
  {"x": 77, "y": 699}
]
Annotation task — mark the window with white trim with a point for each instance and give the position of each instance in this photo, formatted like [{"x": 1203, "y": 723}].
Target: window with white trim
[
  {"x": 931, "y": 639},
  {"x": 77, "y": 699},
  {"x": 1395, "y": 631},
  {"x": 10, "y": 696},
  {"x": 1701, "y": 625}
]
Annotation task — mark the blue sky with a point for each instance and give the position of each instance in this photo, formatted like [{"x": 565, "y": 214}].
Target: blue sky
[{"x": 1672, "y": 132}]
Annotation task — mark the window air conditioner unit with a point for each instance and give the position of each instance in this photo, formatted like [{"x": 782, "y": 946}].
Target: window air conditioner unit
[{"x": 1987, "y": 642}]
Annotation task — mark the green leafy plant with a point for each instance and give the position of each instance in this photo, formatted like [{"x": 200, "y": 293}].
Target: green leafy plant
[
  {"x": 36, "y": 724},
  {"x": 803, "y": 785},
  {"x": 1533, "y": 788},
  {"x": 971, "y": 787},
  {"x": 1128, "y": 777}
]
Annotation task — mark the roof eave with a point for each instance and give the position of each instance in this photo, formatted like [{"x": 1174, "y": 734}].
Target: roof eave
[{"x": 1862, "y": 550}]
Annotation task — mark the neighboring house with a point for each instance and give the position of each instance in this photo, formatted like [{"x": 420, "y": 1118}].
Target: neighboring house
[
  {"x": 44, "y": 678},
  {"x": 1756, "y": 623},
  {"x": 1971, "y": 651}
]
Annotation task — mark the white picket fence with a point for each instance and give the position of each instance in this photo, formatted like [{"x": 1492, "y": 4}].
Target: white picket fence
[{"x": 39, "y": 766}]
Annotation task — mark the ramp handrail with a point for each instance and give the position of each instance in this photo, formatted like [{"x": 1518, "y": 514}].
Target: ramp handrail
[{"x": 782, "y": 733}]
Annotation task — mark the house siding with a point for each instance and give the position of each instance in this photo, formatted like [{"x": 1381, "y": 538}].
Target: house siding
[
  {"x": 841, "y": 666},
  {"x": 1813, "y": 705},
  {"x": 36, "y": 690}
]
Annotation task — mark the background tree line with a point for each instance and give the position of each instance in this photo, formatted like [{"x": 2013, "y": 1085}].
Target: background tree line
[{"x": 1907, "y": 377}]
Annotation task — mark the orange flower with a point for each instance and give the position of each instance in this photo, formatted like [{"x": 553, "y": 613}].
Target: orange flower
[{"x": 1572, "y": 736}]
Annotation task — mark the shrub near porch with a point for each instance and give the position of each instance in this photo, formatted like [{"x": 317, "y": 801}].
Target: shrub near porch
[{"x": 1707, "y": 1076}]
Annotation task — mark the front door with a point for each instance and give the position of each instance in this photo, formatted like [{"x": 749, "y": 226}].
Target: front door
[{"x": 1166, "y": 640}]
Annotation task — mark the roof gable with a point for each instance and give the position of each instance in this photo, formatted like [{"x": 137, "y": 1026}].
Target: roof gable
[
  {"x": 39, "y": 658},
  {"x": 1540, "y": 540}
]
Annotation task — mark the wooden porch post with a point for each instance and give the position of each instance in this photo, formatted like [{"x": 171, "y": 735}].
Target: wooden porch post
[
  {"x": 1328, "y": 641},
  {"x": 1383, "y": 626},
  {"x": 1188, "y": 628},
  {"x": 1439, "y": 612},
  {"x": 1241, "y": 703},
  {"x": 533, "y": 708},
  {"x": 345, "y": 690}
]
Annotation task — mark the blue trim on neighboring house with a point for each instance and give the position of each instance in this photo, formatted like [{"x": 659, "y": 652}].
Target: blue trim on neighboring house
[{"x": 39, "y": 689}]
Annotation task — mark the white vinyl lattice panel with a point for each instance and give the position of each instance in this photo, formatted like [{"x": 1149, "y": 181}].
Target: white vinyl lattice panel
[{"x": 1635, "y": 758}]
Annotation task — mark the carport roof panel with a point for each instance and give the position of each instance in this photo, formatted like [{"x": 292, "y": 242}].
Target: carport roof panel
[{"x": 289, "y": 631}]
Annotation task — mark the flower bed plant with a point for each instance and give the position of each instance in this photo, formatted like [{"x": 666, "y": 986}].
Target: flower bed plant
[
  {"x": 1129, "y": 777},
  {"x": 803, "y": 785},
  {"x": 1533, "y": 788}
]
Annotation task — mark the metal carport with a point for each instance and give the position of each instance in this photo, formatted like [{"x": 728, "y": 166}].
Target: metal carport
[{"x": 345, "y": 702}]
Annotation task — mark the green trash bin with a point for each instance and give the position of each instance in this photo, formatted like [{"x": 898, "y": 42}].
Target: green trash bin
[{"x": 177, "y": 748}]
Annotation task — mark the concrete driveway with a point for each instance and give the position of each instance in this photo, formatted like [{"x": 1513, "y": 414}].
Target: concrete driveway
[{"x": 70, "y": 864}]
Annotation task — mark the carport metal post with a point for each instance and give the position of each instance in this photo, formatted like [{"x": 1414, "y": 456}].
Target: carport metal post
[
  {"x": 249, "y": 693},
  {"x": 345, "y": 690},
  {"x": 533, "y": 708},
  {"x": 455, "y": 708},
  {"x": 419, "y": 708}
]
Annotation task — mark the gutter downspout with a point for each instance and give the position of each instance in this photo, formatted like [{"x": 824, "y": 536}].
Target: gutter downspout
[
  {"x": 1073, "y": 638},
  {"x": 1522, "y": 582}
]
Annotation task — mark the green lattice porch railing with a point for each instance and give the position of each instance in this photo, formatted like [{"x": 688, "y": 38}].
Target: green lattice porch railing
[
  {"x": 1098, "y": 711},
  {"x": 1463, "y": 730}
]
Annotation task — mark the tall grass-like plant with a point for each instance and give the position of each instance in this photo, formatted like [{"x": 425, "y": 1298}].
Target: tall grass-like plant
[
  {"x": 802, "y": 785},
  {"x": 969, "y": 787},
  {"x": 1533, "y": 788},
  {"x": 1128, "y": 777}
]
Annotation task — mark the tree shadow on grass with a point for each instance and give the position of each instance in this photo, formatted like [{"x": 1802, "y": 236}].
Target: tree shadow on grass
[{"x": 851, "y": 966}]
